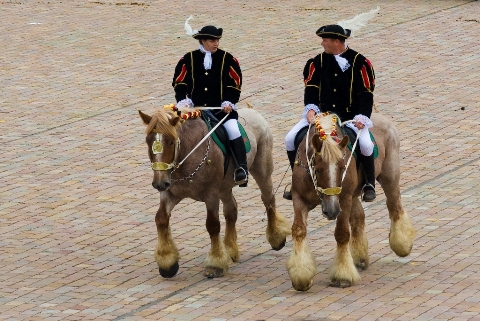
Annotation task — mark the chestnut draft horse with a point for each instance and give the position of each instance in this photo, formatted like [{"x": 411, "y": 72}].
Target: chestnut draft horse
[
  {"x": 318, "y": 180},
  {"x": 180, "y": 170}
]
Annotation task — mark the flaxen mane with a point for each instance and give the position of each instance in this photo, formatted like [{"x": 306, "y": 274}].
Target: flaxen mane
[{"x": 160, "y": 122}]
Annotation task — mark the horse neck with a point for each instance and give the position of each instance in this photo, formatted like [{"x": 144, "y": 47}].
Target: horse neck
[{"x": 190, "y": 134}]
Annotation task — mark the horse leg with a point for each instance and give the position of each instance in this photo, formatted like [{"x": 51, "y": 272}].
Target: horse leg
[
  {"x": 230, "y": 212},
  {"x": 277, "y": 226},
  {"x": 402, "y": 233},
  {"x": 166, "y": 252},
  {"x": 358, "y": 239},
  {"x": 343, "y": 273},
  {"x": 216, "y": 263},
  {"x": 301, "y": 264}
]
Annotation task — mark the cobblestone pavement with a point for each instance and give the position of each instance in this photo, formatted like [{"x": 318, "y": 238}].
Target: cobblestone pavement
[{"x": 77, "y": 209}]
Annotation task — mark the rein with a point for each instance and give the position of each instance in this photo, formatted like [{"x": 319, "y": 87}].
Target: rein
[{"x": 203, "y": 139}]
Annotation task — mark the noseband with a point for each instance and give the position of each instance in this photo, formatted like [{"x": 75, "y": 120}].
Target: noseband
[
  {"x": 330, "y": 191},
  {"x": 157, "y": 148}
]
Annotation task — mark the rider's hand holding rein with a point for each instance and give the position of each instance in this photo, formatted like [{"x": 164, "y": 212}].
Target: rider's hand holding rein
[
  {"x": 227, "y": 109},
  {"x": 310, "y": 115},
  {"x": 359, "y": 125}
]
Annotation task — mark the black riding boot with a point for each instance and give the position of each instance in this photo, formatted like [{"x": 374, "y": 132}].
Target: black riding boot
[
  {"x": 291, "y": 158},
  {"x": 240, "y": 154},
  {"x": 368, "y": 189}
]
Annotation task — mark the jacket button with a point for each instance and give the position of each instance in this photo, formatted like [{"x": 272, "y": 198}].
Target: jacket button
[
  {"x": 205, "y": 105},
  {"x": 206, "y": 73},
  {"x": 335, "y": 75},
  {"x": 333, "y": 105},
  {"x": 334, "y": 90},
  {"x": 206, "y": 89}
]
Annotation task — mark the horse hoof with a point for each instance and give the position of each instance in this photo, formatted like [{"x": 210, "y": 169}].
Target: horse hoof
[
  {"x": 170, "y": 273},
  {"x": 362, "y": 265},
  {"x": 341, "y": 284},
  {"x": 213, "y": 272},
  {"x": 303, "y": 286},
  {"x": 279, "y": 247}
]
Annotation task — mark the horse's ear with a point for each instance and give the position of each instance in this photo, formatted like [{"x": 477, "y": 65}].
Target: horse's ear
[
  {"x": 316, "y": 143},
  {"x": 174, "y": 121},
  {"x": 344, "y": 142},
  {"x": 145, "y": 118}
]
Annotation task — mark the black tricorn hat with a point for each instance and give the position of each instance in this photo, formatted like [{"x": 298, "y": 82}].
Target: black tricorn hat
[
  {"x": 209, "y": 32},
  {"x": 334, "y": 32}
]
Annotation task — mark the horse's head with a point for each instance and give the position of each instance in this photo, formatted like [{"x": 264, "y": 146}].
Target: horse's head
[
  {"x": 163, "y": 143},
  {"x": 328, "y": 164}
]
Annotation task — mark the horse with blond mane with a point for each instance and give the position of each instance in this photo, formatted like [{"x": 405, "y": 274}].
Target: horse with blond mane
[
  {"x": 322, "y": 175},
  {"x": 187, "y": 163}
]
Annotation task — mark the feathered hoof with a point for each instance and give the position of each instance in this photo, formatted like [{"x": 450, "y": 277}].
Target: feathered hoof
[
  {"x": 213, "y": 272},
  {"x": 302, "y": 285},
  {"x": 280, "y": 246},
  {"x": 169, "y": 273},
  {"x": 340, "y": 284}
]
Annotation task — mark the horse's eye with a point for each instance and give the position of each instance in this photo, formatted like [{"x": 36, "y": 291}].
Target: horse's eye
[{"x": 171, "y": 143}]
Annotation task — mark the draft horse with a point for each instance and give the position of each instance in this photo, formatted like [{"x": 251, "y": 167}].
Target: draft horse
[
  {"x": 180, "y": 170},
  {"x": 317, "y": 180}
]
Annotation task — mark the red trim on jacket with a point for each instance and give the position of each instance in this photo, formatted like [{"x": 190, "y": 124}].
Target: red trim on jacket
[
  {"x": 181, "y": 77},
  {"x": 366, "y": 81},
  {"x": 233, "y": 74},
  {"x": 310, "y": 73}
]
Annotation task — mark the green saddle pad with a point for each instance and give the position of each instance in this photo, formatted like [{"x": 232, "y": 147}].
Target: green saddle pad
[
  {"x": 375, "y": 147},
  {"x": 220, "y": 144}
]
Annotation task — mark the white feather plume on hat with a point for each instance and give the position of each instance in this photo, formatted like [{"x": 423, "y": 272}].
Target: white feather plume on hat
[
  {"x": 359, "y": 21},
  {"x": 188, "y": 28}
]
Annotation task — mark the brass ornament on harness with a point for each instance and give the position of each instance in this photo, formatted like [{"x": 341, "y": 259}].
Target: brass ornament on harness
[{"x": 157, "y": 148}]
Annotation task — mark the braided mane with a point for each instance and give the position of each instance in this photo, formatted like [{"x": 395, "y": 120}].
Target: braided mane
[{"x": 326, "y": 125}]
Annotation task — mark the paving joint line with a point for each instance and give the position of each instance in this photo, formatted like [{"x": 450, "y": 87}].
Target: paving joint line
[{"x": 254, "y": 67}]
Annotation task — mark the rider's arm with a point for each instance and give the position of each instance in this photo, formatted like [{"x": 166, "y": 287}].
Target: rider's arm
[
  {"x": 232, "y": 82},
  {"x": 182, "y": 80}
]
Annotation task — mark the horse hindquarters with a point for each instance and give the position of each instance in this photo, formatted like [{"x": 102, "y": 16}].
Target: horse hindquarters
[{"x": 402, "y": 233}]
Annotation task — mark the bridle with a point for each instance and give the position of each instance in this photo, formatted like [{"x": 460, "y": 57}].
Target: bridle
[
  {"x": 330, "y": 191},
  {"x": 157, "y": 148}
]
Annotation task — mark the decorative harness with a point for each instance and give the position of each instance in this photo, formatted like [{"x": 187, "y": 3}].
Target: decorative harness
[
  {"x": 331, "y": 191},
  {"x": 157, "y": 146}
]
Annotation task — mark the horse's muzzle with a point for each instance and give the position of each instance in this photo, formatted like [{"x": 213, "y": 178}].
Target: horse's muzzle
[
  {"x": 330, "y": 208},
  {"x": 161, "y": 187}
]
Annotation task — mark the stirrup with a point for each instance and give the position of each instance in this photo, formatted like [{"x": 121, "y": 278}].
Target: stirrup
[
  {"x": 287, "y": 194},
  {"x": 240, "y": 177},
  {"x": 368, "y": 193}
]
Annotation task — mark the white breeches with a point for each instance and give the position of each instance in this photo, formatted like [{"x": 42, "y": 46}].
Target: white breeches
[
  {"x": 231, "y": 126},
  {"x": 364, "y": 140},
  {"x": 290, "y": 138}
]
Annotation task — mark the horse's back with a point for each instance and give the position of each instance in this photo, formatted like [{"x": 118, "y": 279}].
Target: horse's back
[
  {"x": 387, "y": 165},
  {"x": 260, "y": 158},
  {"x": 255, "y": 122},
  {"x": 384, "y": 130}
]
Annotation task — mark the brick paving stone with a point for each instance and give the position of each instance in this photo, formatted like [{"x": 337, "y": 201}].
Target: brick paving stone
[{"x": 77, "y": 209}]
